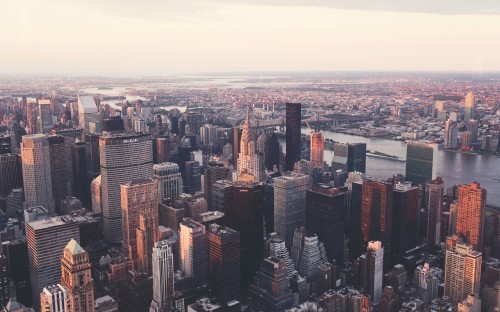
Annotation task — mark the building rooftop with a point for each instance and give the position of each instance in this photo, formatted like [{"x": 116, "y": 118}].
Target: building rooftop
[
  {"x": 139, "y": 181},
  {"x": 50, "y": 222},
  {"x": 87, "y": 103},
  {"x": 74, "y": 248}
]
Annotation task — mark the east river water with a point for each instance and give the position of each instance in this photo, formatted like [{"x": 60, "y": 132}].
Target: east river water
[{"x": 454, "y": 167}]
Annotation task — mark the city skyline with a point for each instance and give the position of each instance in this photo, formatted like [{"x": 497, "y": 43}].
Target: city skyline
[{"x": 161, "y": 38}]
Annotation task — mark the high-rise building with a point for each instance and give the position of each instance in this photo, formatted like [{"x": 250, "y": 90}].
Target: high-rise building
[
  {"x": 470, "y": 213},
  {"x": 421, "y": 162},
  {"x": 76, "y": 277},
  {"x": 163, "y": 150},
  {"x": 469, "y": 106},
  {"x": 278, "y": 249},
  {"x": 377, "y": 212},
  {"x": 36, "y": 172},
  {"x": 237, "y": 131},
  {"x": 163, "y": 277},
  {"x": 146, "y": 236},
  {"x": 434, "y": 192},
  {"x": 45, "y": 116},
  {"x": 138, "y": 198},
  {"x": 472, "y": 127},
  {"x": 317, "y": 149},
  {"x": 427, "y": 279},
  {"x": 10, "y": 167},
  {"x": 450, "y": 134},
  {"x": 462, "y": 271},
  {"x": 87, "y": 112},
  {"x": 58, "y": 169},
  {"x": 349, "y": 157},
  {"x": 290, "y": 205},
  {"x": 250, "y": 164},
  {"x": 405, "y": 215},
  {"x": 170, "y": 215},
  {"x": 326, "y": 217},
  {"x": 81, "y": 182},
  {"x": 243, "y": 212},
  {"x": 293, "y": 126},
  {"x": 169, "y": 180},
  {"x": 55, "y": 298},
  {"x": 224, "y": 267},
  {"x": 192, "y": 177},
  {"x": 271, "y": 289},
  {"x": 194, "y": 250},
  {"x": 124, "y": 157},
  {"x": 45, "y": 252},
  {"x": 389, "y": 300},
  {"x": 195, "y": 120},
  {"x": 208, "y": 134},
  {"x": 298, "y": 245},
  {"x": 211, "y": 175},
  {"x": 374, "y": 271},
  {"x": 313, "y": 254}
]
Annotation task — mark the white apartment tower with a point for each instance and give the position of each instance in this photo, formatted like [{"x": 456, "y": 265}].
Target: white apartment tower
[
  {"x": 163, "y": 276},
  {"x": 462, "y": 272}
]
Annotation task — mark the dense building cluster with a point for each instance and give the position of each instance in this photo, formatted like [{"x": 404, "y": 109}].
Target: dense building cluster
[{"x": 136, "y": 208}]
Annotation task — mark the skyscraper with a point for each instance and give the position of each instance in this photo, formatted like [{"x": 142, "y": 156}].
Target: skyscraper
[
  {"x": 169, "y": 180},
  {"x": 349, "y": 157},
  {"x": 250, "y": 163},
  {"x": 81, "y": 182},
  {"x": 317, "y": 149},
  {"x": 469, "y": 106},
  {"x": 76, "y": 277},
  {"x": 224, "y": 267},
  {"x": 45, "y": 116},
  {"x": 146, "y": 236},
  {"x": 87, "y": 112},
  {"x": 450, "y": 134},
  {"x": 243, "y": 212},
  {"x": 462, "y": 271},
  {"x": 404, "y": 219},
  {"x": 271, "y": 289},
  {"x": 45, "y": 252},
  {"x": 421, "y": 162},
  {"x": 194, "y": 250},
  {"x": 313, "y": 254},
  {"x": 290, "y": 205},
  {"x": 55, "y": 298},
  {"x": 374, "y": 270},
  {"x": 427, "y": 280},
  {"x": 211, "y": 175},
  {"x": 124, "y": 157},
  {"x": 376, "y": 212},
  {"x": 293, "y": 125},
  {"x": 11, "y": 173},
  {"x": 163, "y": 277},
  {"x": 138, "y": 198},
  {"x": 470, "y": 213},
  {"x": 326, "y": 217},
  {"x": 36, "y": 172},
  {"x": 434, "y": 192},
  {"x": 58, "y": 169}
]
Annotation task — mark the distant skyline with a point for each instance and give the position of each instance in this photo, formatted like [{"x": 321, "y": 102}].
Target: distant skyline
[{"x": 163, "y": 37}]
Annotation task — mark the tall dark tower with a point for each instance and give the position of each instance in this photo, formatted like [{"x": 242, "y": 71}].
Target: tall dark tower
[
  {"x": 404, "y": 219},
  {"x": 243, "y": 212},
  {"x": 81, "y": 183},
  {"x": 293, "y": 124},
  {"x": 272, "y": 153}
]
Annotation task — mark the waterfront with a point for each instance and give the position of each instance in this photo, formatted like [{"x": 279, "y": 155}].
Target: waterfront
[{"x": 455, "y": 168}]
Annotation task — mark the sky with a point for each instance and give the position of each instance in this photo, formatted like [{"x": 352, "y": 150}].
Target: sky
[{"x": 165, "y": 37}]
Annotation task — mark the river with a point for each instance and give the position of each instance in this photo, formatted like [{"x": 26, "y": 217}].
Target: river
[{"x": 454, "y": 167}]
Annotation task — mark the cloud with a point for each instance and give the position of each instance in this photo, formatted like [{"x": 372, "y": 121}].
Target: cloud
[{"x": 163, "y": 8}]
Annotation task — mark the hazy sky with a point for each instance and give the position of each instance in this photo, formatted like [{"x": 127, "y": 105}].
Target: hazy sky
[{"x": 188, "y": 36}]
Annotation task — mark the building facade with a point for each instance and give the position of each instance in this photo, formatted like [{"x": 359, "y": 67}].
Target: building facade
[
  {"x": 76, "y": 277},
  {"x": 123, "y": 157}
]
